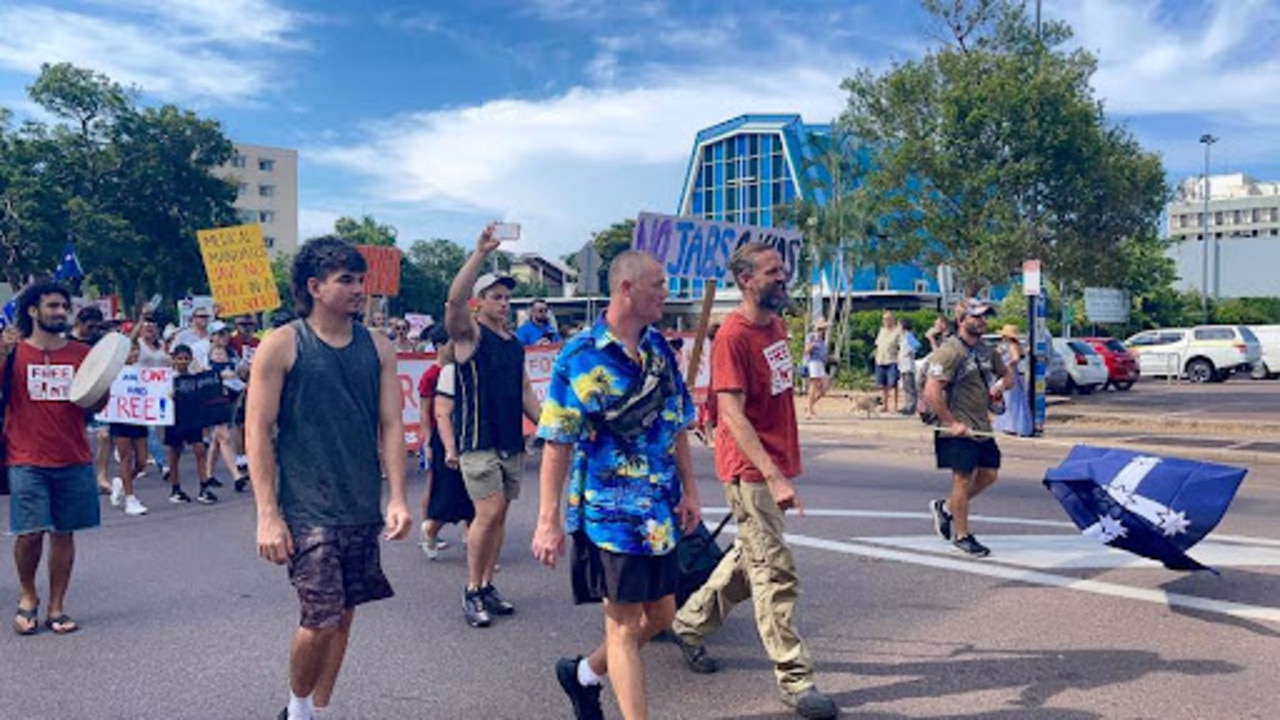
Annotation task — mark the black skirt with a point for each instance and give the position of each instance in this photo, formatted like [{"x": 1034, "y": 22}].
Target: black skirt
[
  {"x": 449, "y": 501},
  {"x": 598, "y": 574}
]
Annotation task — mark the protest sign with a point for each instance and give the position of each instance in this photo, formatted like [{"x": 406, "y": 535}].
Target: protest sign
[
  {"x": 140, "y": 396},
  {"x": 697, "y": 249},
  {"x": 235, "y": 259},
  {"x": 383, "y": 275},
  {"x": 198, "y": 400}
]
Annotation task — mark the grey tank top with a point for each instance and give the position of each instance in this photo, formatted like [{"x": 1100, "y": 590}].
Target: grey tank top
[{"x": 327, "y": 432}]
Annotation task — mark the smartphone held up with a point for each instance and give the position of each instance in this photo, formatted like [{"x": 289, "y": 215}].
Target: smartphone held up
[{"x": 506, "y": 231}]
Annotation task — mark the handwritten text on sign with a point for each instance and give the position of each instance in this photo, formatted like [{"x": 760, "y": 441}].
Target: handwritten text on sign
[
  {"x": 239, "y": 270},
  {"x": 140, "y": 396},
  {"x": 383, "y": 275},
  {"x": 700, "y": 249}
]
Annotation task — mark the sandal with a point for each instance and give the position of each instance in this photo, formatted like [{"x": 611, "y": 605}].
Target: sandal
[
  {"x": 61, "y": 625},
  {"x": 26, "y": 621}
]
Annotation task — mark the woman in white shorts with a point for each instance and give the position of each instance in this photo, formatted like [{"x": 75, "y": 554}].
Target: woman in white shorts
[{"x": 815, "y": 357}]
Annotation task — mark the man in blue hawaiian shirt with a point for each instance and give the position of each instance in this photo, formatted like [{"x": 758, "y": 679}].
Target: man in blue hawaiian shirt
[{"x": 615, "y": 422}]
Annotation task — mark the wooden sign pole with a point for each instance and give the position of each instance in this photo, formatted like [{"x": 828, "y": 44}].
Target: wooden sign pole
[{"x": 704, "y": 320}]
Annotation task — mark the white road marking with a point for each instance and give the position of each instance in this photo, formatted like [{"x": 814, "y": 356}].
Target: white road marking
[
  {"x": 1025, "y": 575},
  {"x": 907, "y": 515},
  {"x": 1048, "y": 552}
]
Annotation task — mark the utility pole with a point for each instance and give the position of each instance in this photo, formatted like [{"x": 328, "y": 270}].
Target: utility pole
[{"x": 1207, "y": 140}]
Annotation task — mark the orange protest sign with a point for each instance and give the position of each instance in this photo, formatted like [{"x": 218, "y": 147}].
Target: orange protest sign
[
  {"x": 383, "y": 276},
  {"x": 235, "y": 259}
]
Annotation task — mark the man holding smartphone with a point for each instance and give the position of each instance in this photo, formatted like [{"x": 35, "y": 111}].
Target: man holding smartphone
[{"x": 492, "y": 390}]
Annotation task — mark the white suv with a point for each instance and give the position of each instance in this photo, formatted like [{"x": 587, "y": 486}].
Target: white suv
[{"x": 1204, "y": 353}]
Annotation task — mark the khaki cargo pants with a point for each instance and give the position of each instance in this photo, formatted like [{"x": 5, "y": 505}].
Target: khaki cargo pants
[{"x": 758, "y": 566}]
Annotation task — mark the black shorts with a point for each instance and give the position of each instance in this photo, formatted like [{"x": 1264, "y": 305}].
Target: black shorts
[
  {"x": 598, "y": 574},
  {"x": 132, "y": 432},
  {"x": 335, "y": 568},
  {"x": 179, "y": 437},
  {"x": 966, "y": 454}
]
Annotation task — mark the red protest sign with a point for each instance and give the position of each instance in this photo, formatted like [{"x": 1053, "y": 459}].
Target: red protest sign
[{"x": 383, "y": 276}]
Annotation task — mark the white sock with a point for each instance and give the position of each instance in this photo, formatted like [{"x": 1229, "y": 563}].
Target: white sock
[
  {"x": 300, "y": 707},
  {"x": 587, "y": 676}
]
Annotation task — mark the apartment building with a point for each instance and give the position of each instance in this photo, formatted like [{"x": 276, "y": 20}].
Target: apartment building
[
  {"x": 1244, "y": 234},
  {"x": 267, "y": 182}
]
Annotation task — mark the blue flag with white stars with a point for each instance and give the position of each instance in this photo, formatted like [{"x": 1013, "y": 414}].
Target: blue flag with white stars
[
  {"x": 1156, "y": 507},
  {"x": 69, "y": 268}
]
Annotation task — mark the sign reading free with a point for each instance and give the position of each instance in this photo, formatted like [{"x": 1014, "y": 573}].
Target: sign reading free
[
  {"x": 140, "y": 396},
  {"x": 697, "y": 249}
]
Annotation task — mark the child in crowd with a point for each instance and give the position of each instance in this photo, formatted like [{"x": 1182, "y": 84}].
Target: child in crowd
[
  {"x": 187, "y": 429},
  {"x": 131, "y": 450}
]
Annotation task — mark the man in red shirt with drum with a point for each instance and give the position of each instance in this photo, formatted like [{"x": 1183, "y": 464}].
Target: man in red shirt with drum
[
  {"x": 757, "y": 458},
  {"x": 50, "y": 467}
]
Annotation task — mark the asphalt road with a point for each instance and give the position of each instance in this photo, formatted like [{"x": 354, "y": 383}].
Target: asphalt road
[
  {"x": 1238, "y": 399},
  {"x": 181, "y": 620}
]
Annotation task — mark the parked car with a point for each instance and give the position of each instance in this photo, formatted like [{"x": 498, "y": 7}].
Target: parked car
[
  {"x": 1086, "y": 368},
  {"x": 1205, "y": 353},
  {"x": 1056, "y": 379},
  {"x": 1268, "y": 366},
  {"x": 1122, "y": 366}
]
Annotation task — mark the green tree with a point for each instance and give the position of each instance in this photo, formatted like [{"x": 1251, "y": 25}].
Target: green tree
[
  {"x": 130, "y": 185},
  {"x": 365, "y": 231},
  {"x": 436, "y": 262},
  {"x": 610, "y": 243},
  {"x": 993, "y": 149}
]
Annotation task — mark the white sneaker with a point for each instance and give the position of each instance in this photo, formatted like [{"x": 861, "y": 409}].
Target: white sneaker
[
  {"x": 132, "y": 506},
  {"x": 117, "y": 492}
]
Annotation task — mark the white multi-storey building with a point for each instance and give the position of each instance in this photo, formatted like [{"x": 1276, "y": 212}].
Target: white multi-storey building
[
  {"x": 1244, "y": 235},
  {"x": 267, "y": 182}
]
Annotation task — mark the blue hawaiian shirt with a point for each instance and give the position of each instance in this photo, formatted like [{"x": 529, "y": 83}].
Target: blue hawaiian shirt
[{"x": 623, "y": 418}]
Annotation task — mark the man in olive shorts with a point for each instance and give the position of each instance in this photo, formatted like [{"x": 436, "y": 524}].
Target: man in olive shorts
[{"x": 328, "y": 387}]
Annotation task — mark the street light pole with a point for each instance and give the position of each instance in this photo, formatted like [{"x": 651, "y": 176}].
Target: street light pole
[{"x": 1207, "y": 140}]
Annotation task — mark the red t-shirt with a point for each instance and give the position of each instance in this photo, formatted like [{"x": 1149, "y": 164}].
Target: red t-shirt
[
  {"x": 239, "y": 342},
  {"x": 756, "y": 361},
  {"x": 427, "y": 385},
  {"x": 42, "y": 427}
]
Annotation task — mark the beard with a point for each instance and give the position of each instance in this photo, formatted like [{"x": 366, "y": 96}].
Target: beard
[
  {"x": 54, "y": 327},
  {"x": 775, "y": 298}
]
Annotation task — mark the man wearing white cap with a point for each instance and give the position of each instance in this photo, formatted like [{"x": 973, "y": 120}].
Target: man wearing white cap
[
  {"x": 964, "y": 375},
  {"x": 492, "y": 390}
]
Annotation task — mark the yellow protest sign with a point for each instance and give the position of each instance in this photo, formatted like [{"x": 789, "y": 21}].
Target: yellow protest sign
[{"x": 235, "y": 259}]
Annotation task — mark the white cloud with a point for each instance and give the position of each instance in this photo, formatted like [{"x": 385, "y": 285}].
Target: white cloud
[
  {"x": 175, "y": 49},
  {"x": 1171, "y": 59},
  {"x": 572, "y": 164},
  {"x": 313, "y": 222}
]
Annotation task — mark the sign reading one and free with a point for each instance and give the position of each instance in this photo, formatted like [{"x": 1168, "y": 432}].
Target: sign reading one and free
[
  {"x": 697, "y": 249},
  {"x": 235, "y": 259},
  {"x": 1106, "y": 305},
  {"x": 140, "y": 396}
]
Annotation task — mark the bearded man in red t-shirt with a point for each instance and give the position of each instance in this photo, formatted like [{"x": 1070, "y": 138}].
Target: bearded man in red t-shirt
[
  {"x": 757, "y": 452},
  {"x": 50, "y": 467}
]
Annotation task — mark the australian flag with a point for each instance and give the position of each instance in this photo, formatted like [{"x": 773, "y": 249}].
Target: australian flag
[
  {"x": 1152, "y": 506},
  {"x": 69, "y": 268},
  {"x": 9, "y": 312}
]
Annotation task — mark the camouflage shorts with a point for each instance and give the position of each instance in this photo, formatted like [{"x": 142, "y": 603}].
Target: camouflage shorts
[{"x": 335, "y": 568}]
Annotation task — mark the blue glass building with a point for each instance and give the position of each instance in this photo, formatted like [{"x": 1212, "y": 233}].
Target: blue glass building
[{"x": 746, "y": 169}]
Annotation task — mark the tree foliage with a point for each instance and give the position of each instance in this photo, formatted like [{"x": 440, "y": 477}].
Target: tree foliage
[
  {"x": 365, "y": 231},
  {"x": 993, "y": 149},
  {"x": 129, "y": 185}
]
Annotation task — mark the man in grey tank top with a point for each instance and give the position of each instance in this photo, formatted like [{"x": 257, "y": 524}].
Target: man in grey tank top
[
  {"x": 324, "y": 391},
  {"x": 492, "y": 390}
]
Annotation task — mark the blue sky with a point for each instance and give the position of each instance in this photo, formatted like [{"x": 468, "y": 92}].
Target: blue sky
[{"x": 437, "y": 116}]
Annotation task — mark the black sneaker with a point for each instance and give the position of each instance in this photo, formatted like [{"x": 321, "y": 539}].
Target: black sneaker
[
  {"x": 585, "y": 698},
  {"x": 473, "y": 609},
  {"x": 810, "y": 704},
  {"x": 284, "y": 714},
  {"x": 696, "y": 657},
  {"x": 242, "y": 482},
  {"x": 970, "y": 546},
  {"x": 941, "y": 518},
  {"x": 176, "y": 495},
  {"x": 494, "y": 602},
  {"x": 206, "y": 496},
  {"x": 213, "y": 482}
]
